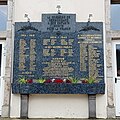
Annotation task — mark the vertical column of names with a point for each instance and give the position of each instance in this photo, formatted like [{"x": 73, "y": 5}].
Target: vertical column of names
[
  {"x": 93, "y": 60},
  {"x": 91, "y": 56},
  {"x": 22, "y": 56},
  {"x": 32, "y": 55},
  {"x": 27, "y": 57},
  {"x": 83, "y": 57}
]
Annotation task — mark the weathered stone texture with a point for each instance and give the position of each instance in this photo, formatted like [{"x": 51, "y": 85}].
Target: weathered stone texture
[
  {"x": 107, "y": 15},
  {"x": 109, "y": 55},
  {"x": 109, "y": 64},
  {"x": 6, "y": 91},
  {"x": 110, "y": 91},
  {"x": 10, "y": 9},
  {"x": 9, "y": 25},
  {"x": 109, "y": 72},
  {"x": 115, "y": 34},
  {"x": 111, "y": 112},
  {"x": 7, "y": 78},
  {"x": 110, "y": 107},
  {"x": 108, "y": 37},
  {"x": 5, "y": 112}
]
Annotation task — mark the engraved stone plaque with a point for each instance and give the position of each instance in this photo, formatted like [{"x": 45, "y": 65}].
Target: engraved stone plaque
[{"x": 58, "y": 47}]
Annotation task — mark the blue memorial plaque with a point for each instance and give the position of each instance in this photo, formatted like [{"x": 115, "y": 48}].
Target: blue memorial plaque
[
  {"x": 58, "y": 22},
  {"x": 58, "y": 47}
]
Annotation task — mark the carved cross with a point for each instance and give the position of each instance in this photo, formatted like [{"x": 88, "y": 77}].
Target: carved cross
[{"x": 58, "y": 7}]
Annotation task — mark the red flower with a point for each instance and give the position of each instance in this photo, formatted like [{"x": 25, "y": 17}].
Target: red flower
[
  {"x": 68, "y": 81},
  {"x": 84, "y": 81},
  {"x": 29, "y": 81},
  {"x": 58, "y": 80},
  {"x": 48, "y": 81}
]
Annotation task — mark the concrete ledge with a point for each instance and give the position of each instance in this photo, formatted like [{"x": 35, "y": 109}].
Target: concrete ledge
[{"x": 3, "y": 34}]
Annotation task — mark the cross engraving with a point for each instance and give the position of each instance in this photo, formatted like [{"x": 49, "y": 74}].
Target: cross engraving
[
  {"x": 58, "y": 7},
  {"x": 89, "y": 19},
  {"x": 26, "y": 16}
]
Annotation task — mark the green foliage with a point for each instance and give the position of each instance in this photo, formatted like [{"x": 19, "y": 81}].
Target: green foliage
[
  {"x": 89, "y": 80},
  {"x": 73, "y": 80},
  {"x": 41, "y": 80},
  {"x": 22, "y": 81}
]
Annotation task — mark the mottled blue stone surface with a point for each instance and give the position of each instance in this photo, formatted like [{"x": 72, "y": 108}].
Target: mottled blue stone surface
[
  {"x": 73, "y": 49},
  {"x": 61, "y": 88}
]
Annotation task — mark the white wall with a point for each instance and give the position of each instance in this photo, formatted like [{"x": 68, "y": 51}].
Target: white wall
[
  {"x": 3, "y": 58},
  {"x": 61, "y": 106},
  {"x": 15, "y": 106},
  {"x": 81, "y": 7},
  {"x": 58, "y": 106}
]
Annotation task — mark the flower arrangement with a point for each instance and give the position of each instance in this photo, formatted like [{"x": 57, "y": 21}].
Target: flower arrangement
[
  {"x": 41, "y": 80},
  {"x": 58, "y": 86},
  {"x": 89, "y": 80},
  {"x": 58, "y": 80},
  {"x": 23, "y": 81},
  {"x": 74, "y": 80}
]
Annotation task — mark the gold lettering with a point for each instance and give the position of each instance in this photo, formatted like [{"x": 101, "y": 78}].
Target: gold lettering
[
  {"x": 64, "y": 42},
  {"x": 46, "y": 41},
  {"x": 46, "y": 52}
]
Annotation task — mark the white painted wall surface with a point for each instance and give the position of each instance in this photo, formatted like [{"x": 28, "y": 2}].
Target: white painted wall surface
[
  {"x": 58, "y": 106},
  {"x": 82, "y": 8},
  {"x": 3, "y": 60},
  {"x": 15, "y": 106},
  {"x": 61, "y": 106}
]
